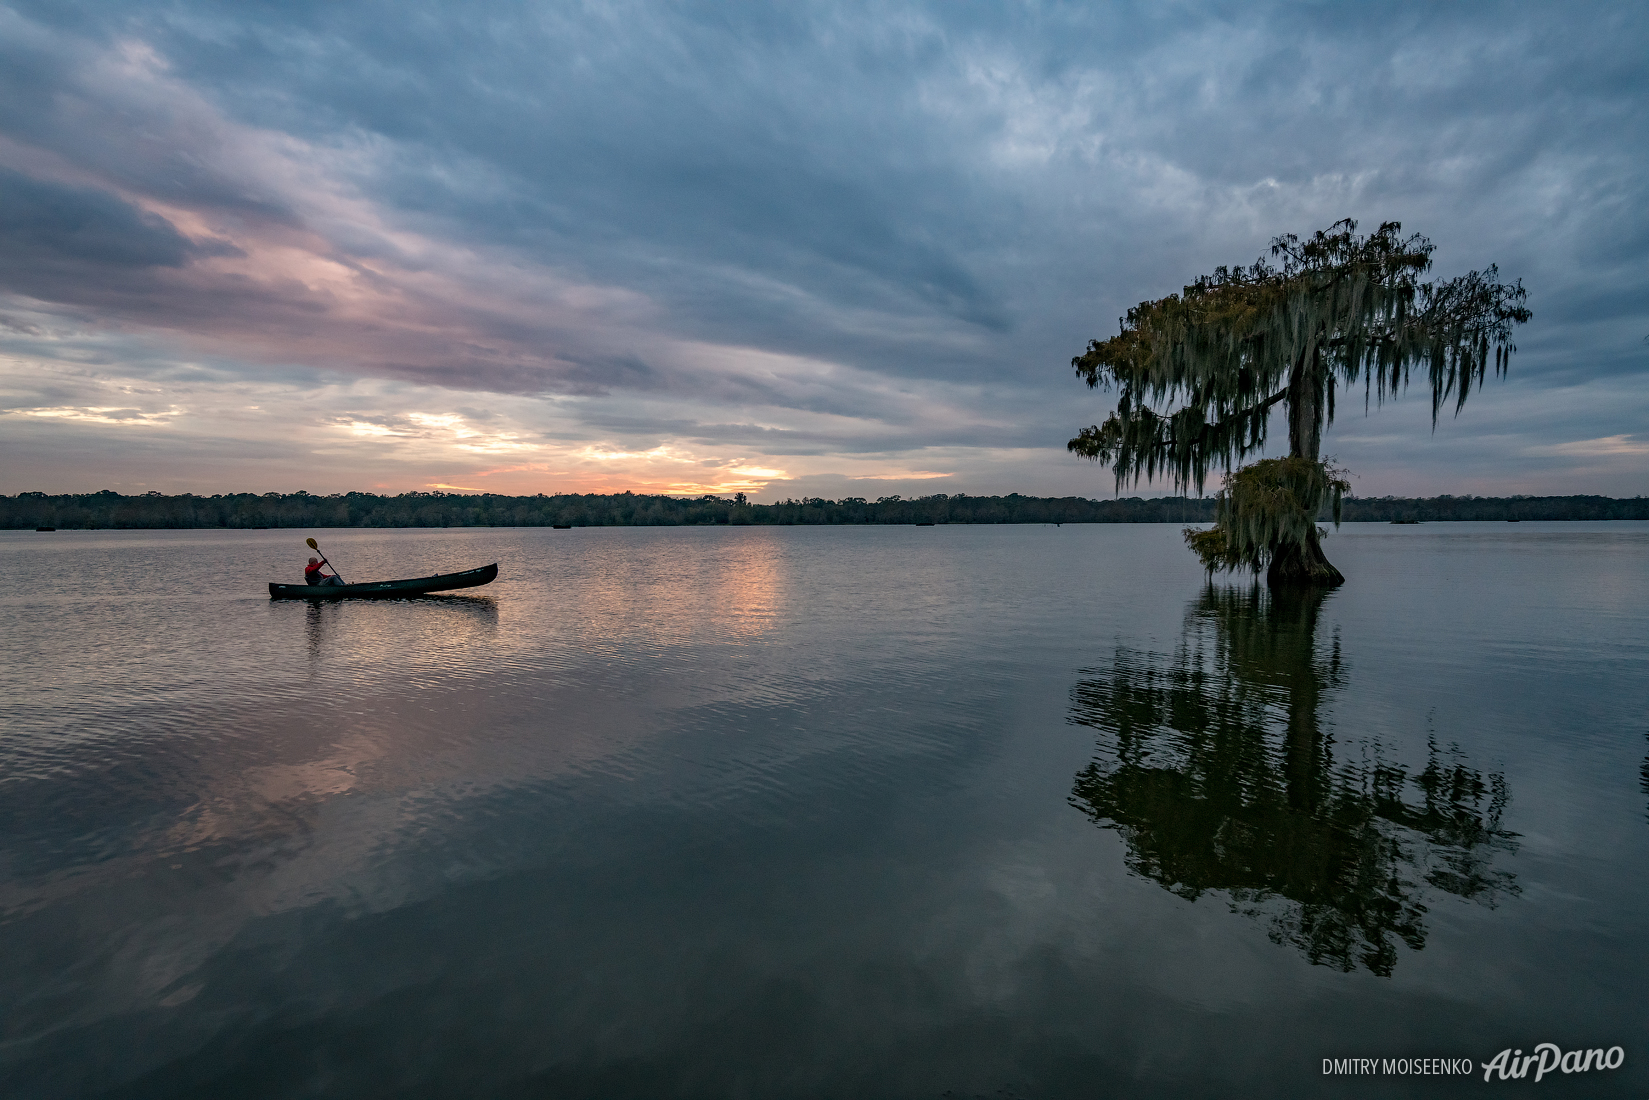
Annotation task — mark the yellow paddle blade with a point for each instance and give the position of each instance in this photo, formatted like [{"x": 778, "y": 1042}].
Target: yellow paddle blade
[{"x": 311, "y": 543}]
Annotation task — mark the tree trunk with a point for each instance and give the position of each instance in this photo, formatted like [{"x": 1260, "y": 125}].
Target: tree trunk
[
  {"x": 1304, "y": 563},
  {"x": 1305, "y": 405}
]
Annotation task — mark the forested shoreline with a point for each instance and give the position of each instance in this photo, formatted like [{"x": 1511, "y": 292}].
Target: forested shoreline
[{"x": 110, "y": 510}]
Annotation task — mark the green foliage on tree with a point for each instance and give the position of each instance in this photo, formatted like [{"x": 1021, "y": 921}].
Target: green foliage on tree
[
  {"x": 1337, "y": 309},
  {"x": 1265, "y": 509}
]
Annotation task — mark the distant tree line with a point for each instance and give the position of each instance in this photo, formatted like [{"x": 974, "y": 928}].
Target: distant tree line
[
  {"x": 108, "y": 509},
  {"x": 1445, "y": 508}
]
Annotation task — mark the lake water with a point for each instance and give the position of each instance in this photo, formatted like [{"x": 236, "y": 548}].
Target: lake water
[{"x": 820, "y": 812}]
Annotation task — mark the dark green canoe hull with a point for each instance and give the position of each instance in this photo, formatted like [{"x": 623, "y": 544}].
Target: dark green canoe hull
[{"x": 418, "y": 586}]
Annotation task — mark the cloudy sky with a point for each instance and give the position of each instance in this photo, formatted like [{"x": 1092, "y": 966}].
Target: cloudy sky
[{"x": 790, "y": 249}]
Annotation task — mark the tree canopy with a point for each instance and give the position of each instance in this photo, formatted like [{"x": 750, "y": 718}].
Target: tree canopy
[{"x": 1336, "y": 309}]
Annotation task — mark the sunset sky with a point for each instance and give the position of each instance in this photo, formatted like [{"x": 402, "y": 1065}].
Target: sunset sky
[{"x": 790, "y": 249}]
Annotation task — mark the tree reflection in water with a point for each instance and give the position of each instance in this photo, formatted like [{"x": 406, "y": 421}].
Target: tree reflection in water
[
  {"x": 1644, "y": 773},
  {"x": 1217, "y": 770}
]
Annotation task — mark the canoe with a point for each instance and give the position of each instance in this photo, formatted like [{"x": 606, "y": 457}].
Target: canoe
[{"x": 417, "y": 586}]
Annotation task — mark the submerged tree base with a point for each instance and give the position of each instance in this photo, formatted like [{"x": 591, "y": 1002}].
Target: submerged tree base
[
  {"x": 1266, "y": 519},
  {"x": 1302, "y": 565}
]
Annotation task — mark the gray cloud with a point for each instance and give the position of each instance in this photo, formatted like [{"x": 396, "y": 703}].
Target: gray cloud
[
  {"x": 47, "y": 222},
  {"x": 85, "y": 246}
]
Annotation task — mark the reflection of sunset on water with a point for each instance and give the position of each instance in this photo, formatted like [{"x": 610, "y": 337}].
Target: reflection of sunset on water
[
  {"x": 271, "y": 798},
  {"x": 733, "y": 594}
]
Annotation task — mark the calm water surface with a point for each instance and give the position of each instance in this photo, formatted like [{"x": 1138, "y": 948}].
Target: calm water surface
[{"x": 756, "y": 812}]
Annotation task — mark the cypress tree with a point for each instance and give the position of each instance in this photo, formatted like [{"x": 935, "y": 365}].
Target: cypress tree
[{"x": 1336, "y": 309}]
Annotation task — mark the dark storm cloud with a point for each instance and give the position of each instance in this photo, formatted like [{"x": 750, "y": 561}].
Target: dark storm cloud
[
  {"x": 932, "y": 193},
  {"x": 42, "y": 221},
  {"x": 81, "y": 245}
]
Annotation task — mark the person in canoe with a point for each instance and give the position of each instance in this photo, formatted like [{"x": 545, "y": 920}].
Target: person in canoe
[{"x": 312, "y": 574}]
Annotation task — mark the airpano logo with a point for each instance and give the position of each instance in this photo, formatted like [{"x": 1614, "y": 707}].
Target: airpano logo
[
  {"x": 1509, "y": 1064},
  {"x": 1549, "y": 1057}
]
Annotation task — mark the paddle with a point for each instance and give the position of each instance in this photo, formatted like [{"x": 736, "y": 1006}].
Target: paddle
[{"x": 317, "y": 550}]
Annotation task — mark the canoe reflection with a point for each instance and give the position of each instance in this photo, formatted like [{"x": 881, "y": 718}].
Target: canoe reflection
[
  {"x": 339, "y": 629},
  {"x": 1216, "y": 769}
]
